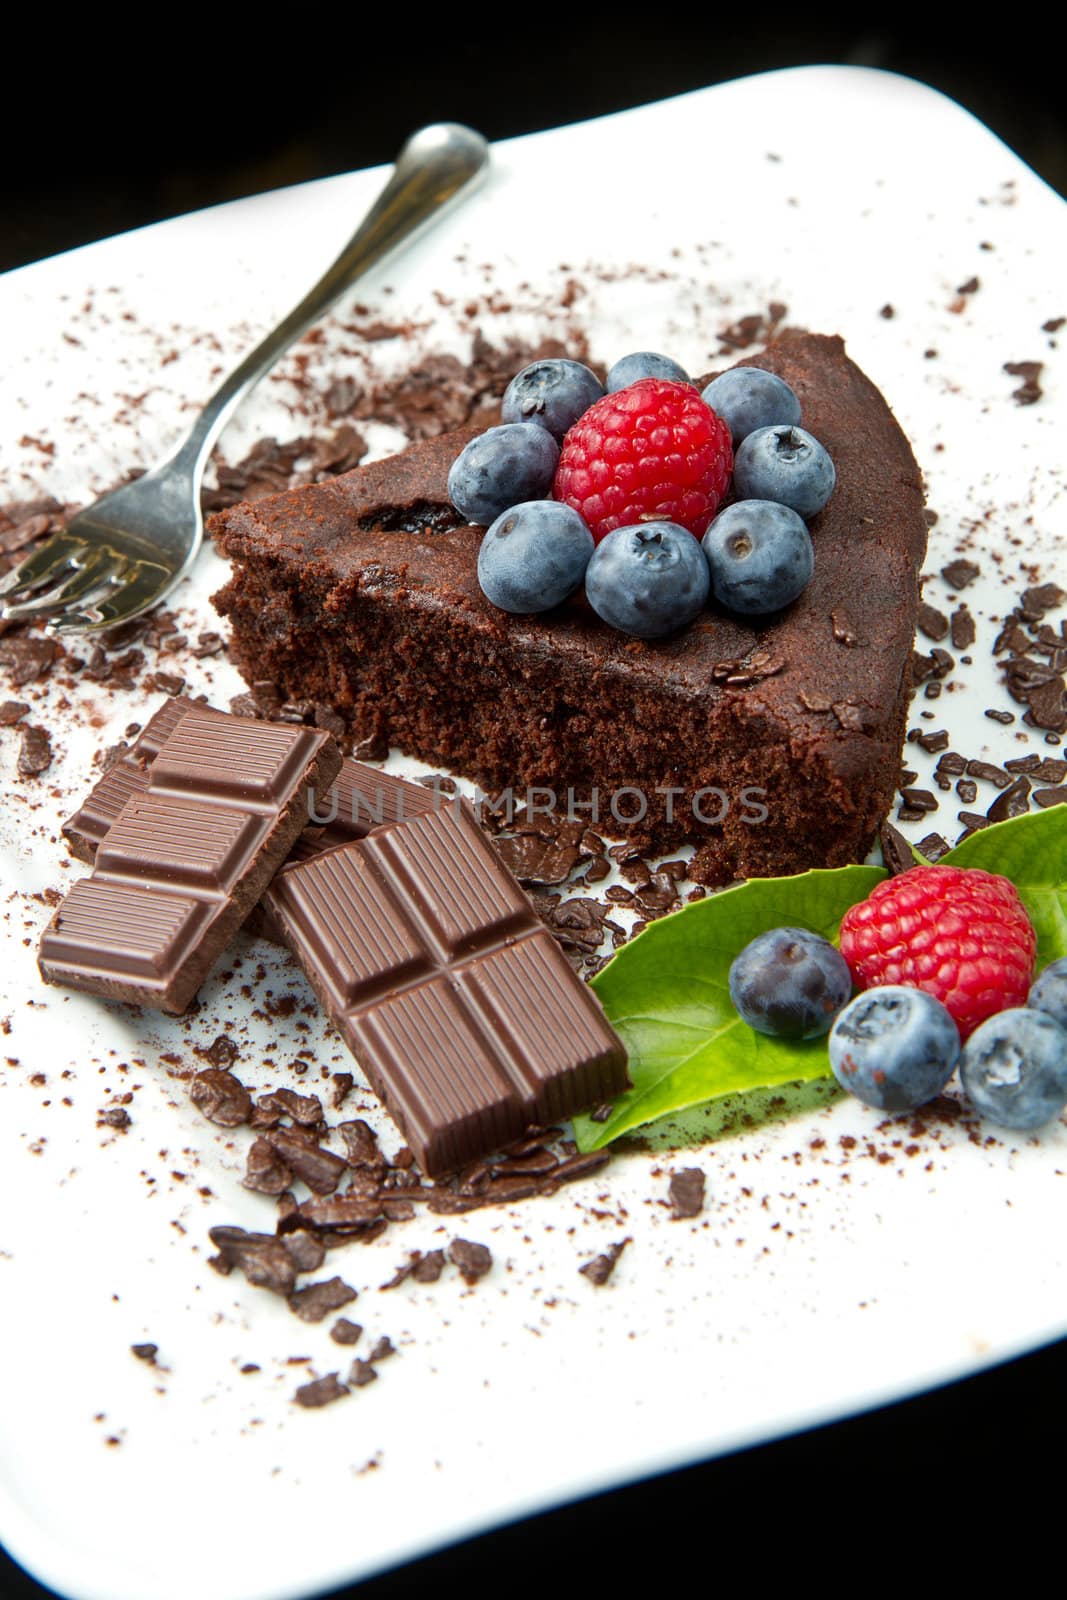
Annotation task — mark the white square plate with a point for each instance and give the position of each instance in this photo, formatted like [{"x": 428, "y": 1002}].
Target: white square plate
[{"x": 837, "y": 1264}]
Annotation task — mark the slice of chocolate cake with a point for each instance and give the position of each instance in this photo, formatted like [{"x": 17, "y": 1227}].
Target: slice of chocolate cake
[{"x": 773, "y": 746}]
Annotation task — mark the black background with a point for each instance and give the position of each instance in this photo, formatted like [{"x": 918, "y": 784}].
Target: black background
[{"x": 106, "y": 132}]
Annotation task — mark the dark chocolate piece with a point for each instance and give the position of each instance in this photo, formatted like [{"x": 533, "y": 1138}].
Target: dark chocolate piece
[
  {"x": 186, "y": 861},
  {"x": 315, "y": 1301},
  {"x": 455, "y": 1000},
  {"x": 473, "y": 1260},
  {"x": 686, "y": 1193},
  {"x": 321, "y": 1391},
  {"x": 220, "y": 1097},
  {"x": 599, "y": 1270}
]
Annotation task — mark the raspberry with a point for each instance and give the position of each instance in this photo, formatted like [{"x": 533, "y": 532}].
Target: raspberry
[
  {"x": 958, "y": 933},
  {"x": 652, "y": 452}
]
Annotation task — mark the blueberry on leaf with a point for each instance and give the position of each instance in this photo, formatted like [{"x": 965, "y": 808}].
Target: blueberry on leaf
[{"x": 790, "y": 983}]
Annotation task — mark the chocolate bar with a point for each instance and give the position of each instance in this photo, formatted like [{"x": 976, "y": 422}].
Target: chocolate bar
[
  {"x": 187, "y": 859},
  {"x": 359, "y": 799},
  {"x": 452, "y": 995}
]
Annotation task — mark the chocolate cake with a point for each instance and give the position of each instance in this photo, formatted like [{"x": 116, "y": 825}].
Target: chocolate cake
[{"x": 772, "y": 745}]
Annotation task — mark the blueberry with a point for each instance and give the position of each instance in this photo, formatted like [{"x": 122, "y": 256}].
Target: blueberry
[
  {"x": 500, "y": 468},
  {"x": 789, "y": 983},
  {"x": 1049, "y": 993},
  {"x": 551, "y": 394},
  {"x": 784, "y": 464},
  {"x": 760, "y": 556},
  {"x": 534, "y": 556},
  {"x": 747, "y": 398},
  {"x": 643, "y": 364},
  {"x": 894, "y": 1048},
  {"x": 648, "y": 580},
  {"x": 1014, "y": 1068}
]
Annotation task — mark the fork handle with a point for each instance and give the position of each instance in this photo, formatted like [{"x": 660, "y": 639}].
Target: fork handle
[{"x": 434, "y": 168}]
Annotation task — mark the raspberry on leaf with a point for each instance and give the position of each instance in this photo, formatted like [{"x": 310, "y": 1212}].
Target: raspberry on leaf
[
  {"x": 958, "y": 933},
  {"x": 652, "y": 452}
]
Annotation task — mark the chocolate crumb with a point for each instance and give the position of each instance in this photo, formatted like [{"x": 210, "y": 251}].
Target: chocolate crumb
[
  {"x": 958, "y": 574},
  {"x": 145, "y": 1352},
  {"x": 321, "y": 1391},
  {"x": 1011, "y": 802},
  {"x": 932, "y": 622},
  {"x": 345, "y": 1332},
  {"x": 320, "y": 1169},
  {"x": 988, "y": 773},
  {"x": 306, "y": 1252},
  {"x": 114, "y": 1117},
  {"x": 963, "y": 628},
  {"x": 314, "y": 1302},
  {"x": 35, "y": 754},
  {"x": 12, "y": 711},
  {"x": 265, "y": 1171},
  {"x": 383, "y": 1349},
  {"x": 599, "y": 1270},
  {"x": 262, "y": 1257},
  {"x": 221, "y": 1098},
  {"x": 473, "y": 1260},
  {"x": 686, "y": 1193},
  {"x": 361, "y": 1374},
  {"x": 933, "y": 847},
  {"x": 1030, "y": 372},
  {"x": 896, "y": 851},
  {"x": 422, "y": 1268}
]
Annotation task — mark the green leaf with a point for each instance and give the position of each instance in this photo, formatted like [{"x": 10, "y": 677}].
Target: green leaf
[
  {"x": 666, "y": 994},
  {"x": 1032, "y": 851}
]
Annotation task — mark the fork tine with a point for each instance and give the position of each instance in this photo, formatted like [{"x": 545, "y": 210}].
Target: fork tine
[
  {"x": 134, "y": 593},
  {"x": 101, "y": 570},
  {"x": 61, "y": 550}
]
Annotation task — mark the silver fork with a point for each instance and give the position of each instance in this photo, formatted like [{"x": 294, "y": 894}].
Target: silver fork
[{"x": 126, "y": 552}]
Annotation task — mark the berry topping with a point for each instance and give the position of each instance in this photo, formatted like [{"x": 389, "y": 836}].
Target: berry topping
[
  {"x": 747, "y": 398},
  {"x": 958, "y": 933},
  {"x": 643, "y": 364},
  {"x": 784, "y": 464},
  {"x": 653, "y": 452},
  {"x": 790, "y": 983},
  {"x": 760, "y": 556},
  {"x": 894, "y": 1048},
  {"x": 501, "y": 467},
  {"x": 1050, "y": 992},
  {"x": 534, "y": 556},
  {"x": 647, "y": 580},
  {"x": 552, "y": 394},
  {"x": 1014, "y": 1069}
]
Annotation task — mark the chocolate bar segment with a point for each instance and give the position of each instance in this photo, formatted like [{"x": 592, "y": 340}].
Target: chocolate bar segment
[
  {"x": 360, "y": 799},
  {"x": 454, "y": 998},
  {"x": 129, "y": 776},
  {"x": 186, "y": 860}
]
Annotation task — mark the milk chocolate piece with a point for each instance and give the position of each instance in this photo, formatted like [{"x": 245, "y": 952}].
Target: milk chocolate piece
[
  {"x": 129, "y": 776},
  {"x": 187, "y": 859},
  {"x": 360, "y": 799},
  {"x": 456, "y": 1001}
]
